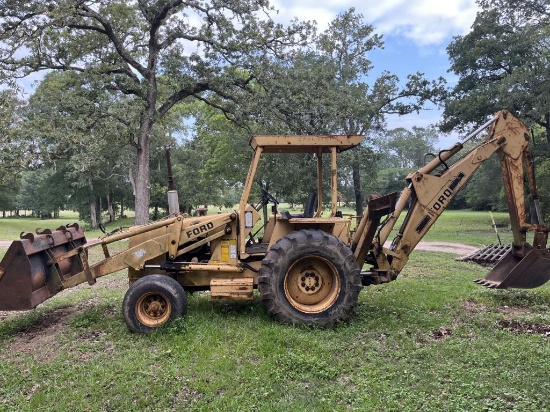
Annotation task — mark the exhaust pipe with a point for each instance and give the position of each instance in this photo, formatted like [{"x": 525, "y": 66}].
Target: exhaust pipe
[{"x": 173, "y": 201}]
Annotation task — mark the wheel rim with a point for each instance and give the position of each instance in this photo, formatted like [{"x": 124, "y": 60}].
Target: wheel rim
[
  {"x": 312, "y": 284},
  {"x": 153, "y": 309}
]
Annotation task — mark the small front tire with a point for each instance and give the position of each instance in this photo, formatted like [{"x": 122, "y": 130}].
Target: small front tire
[{"x": 153, "y": 301}]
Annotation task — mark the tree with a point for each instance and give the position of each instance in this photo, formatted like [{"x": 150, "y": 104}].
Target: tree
[
  {"x": 79, "y": 132},
  {"x": 543, "y": 181},
  {"x": 502, "y": 64},
  {"x": 13, "y": 155},
  {"x": 42, "y": 192},
  {"x": 328, "y": 91},
  {"x": 407, "y": 149},
  {"x": 159, "y": 53},
  {"x": 401, "y": 151}
]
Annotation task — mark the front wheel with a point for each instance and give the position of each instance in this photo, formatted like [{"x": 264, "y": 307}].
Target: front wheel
[
  {"x": 152, "y": 301},
  {"x": 310, "y": 277}
]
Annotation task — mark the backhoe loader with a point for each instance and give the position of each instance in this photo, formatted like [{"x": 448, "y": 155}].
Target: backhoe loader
[{"x": 307, "y": 267}]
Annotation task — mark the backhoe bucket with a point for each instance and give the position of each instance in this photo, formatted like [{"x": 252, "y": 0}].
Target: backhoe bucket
[
  {"x": 531, "y": 271},
  {"x": 27, "y": 274}
]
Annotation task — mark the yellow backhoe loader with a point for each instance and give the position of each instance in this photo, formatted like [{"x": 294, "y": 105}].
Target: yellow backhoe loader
[{"x": 307, "y": 267}]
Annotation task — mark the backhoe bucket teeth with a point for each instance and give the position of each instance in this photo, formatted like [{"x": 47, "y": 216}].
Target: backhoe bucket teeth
[
  {"x": 531, "y": 271},
  {"x": 28, "y": 276}
]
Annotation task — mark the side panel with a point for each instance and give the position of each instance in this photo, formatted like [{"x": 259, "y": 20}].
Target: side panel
[{"x": 338, "y": 227}]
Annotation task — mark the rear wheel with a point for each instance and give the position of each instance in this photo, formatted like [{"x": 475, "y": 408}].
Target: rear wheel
[
  {"x": 310, "y": 277},
  {"x": 153, "y": 301}
]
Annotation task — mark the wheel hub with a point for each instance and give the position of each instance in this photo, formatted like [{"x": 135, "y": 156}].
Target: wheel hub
[
  {"x": 310, "y": 282},
  {"x": 153, "y": 309}
]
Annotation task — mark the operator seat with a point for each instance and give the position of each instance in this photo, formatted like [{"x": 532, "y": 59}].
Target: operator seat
[{"x": 309, "y": 208}]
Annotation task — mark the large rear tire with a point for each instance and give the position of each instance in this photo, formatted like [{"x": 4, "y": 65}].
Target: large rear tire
[
  {"x": 152, "y": 301},
  {"x": 310, "y": 277}
]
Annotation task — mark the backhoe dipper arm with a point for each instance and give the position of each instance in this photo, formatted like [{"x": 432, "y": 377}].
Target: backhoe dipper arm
[{"x": 429, "y": 194}]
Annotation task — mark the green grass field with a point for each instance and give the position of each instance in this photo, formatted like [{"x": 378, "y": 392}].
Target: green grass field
[{"x": 433, "y": 341}]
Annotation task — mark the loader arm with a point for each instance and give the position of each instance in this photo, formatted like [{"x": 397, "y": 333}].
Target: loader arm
[
  {"x": 37, "y": 267},
  {"x": 428, "y": 194}
]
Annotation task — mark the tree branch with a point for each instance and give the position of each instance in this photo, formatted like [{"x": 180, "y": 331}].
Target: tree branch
[{"x": 117, "y": 43}]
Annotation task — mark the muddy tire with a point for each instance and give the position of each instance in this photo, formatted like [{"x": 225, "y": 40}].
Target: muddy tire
[
  {"x": 152, "y": 301},
  {"x": 310, "y": 277}
]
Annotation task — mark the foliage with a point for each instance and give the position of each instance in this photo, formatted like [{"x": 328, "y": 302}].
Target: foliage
[
  {"x": 482, "y": 193},
  {"x": 81, "y": 133},
  {"x": 327, "y": 90},
  {"x": 543, "y": 180},
  {"x": 407, "y": 149},
  {"x": 501, "y": 64},
  {"x": 157, "y": 53},
  {"x": 400, "y": 151},
  {"x": 43, "y": 192},
  {"x": 213, "y": 163},
  {"x": 14, "y": 154},
  {"x": 96, "y": 125}
]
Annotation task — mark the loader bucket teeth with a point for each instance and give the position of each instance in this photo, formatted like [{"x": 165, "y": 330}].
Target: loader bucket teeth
[
  {"x": 531, "y": 271},
  {"x": 27, "y": 275}
]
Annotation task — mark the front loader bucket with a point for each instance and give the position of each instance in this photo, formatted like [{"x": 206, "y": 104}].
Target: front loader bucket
[
  {"x": 27, "y": 275},
  {"x": 531, "y": 271}
]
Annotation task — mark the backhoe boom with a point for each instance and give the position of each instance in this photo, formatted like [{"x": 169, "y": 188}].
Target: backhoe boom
[{"x": 429, "y": 193}]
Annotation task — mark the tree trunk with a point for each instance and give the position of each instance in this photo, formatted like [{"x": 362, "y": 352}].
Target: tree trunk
[
  {"x": 147, "y": 119},
  {"x": 93, "y": 204},
  {"x": 143, "y": 180},
  {"x": 357, "y": 189},
  {"x": 122, "y": 207},
  {"x": 110, "y": 206},
  {"x": 93, "y": 213},
  {"x": 143, "y": 185},
  {"x": 99, "y": 209}
]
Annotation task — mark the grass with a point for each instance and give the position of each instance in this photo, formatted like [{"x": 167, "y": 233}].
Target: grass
[
  {"x": 431, "y": 341},
  {"x": 471, "y": 228}
]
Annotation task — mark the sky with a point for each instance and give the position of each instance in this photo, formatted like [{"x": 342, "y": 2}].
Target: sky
[{"x": 415, "y": 32}]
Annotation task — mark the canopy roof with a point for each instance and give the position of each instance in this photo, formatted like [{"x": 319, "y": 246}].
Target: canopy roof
[{"x": 304, "y": 143}]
